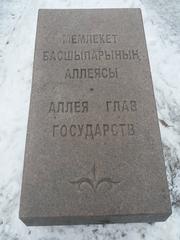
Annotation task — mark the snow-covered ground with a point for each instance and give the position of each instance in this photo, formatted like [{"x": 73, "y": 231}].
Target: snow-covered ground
[{"x": 17, "y": 36}]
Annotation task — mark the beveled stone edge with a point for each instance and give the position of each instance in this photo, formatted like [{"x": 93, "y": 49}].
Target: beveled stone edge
[{"x": 81, "y": 220}]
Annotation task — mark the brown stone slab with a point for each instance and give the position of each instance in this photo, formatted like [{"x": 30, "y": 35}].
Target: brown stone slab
[{"x": 93, "y": 149}]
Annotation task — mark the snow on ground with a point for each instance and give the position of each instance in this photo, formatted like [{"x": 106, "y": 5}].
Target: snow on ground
[{"x": 17, "y": 36}]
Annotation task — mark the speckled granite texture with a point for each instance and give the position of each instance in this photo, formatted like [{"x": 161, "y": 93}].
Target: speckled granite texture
[
  {"x": 17, "y": 35},
  {"x": 93, "y": 150}
]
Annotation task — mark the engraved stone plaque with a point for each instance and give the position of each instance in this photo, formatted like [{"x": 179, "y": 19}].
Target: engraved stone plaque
[{"x": 93, "y": 149}]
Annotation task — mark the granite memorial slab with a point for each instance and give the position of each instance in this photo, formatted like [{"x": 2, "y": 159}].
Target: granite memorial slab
[{"x": 93, "y": 149}]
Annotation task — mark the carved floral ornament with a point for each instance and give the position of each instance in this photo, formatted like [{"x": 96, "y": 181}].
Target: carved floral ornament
[{"x": 94, "y": 183}]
